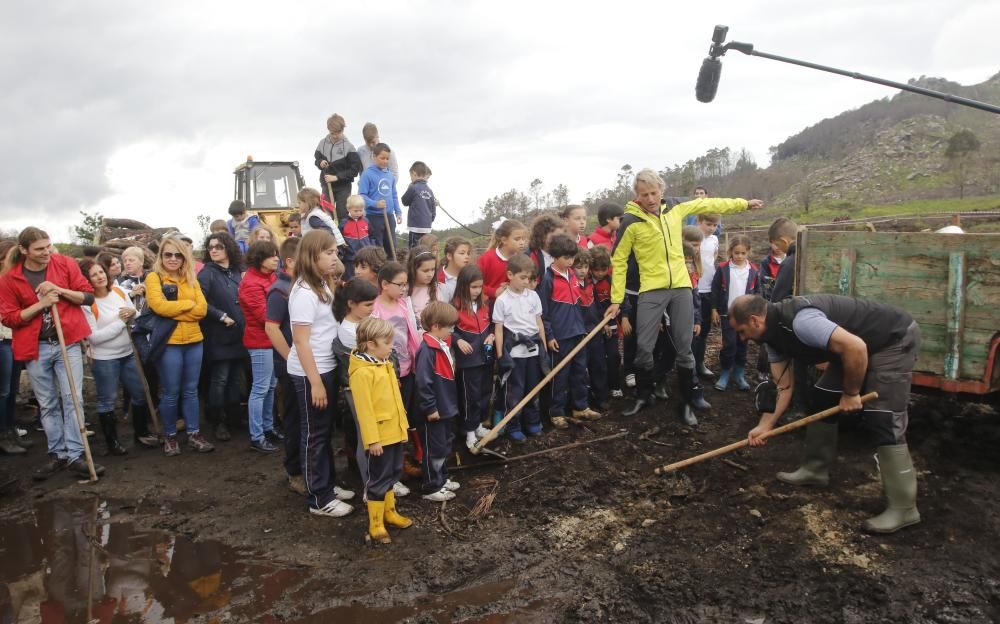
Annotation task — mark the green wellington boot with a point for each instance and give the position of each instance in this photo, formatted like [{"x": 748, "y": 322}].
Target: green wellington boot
[
  {"x": 899, "y": 480},
  {"x": 818, "y": 455}
]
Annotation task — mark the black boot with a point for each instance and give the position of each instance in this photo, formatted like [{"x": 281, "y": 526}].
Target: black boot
[
  {"x": 690, "y": 389},
  {"x": 110, "y": 429},
  {"x": 217, "y": 417},
  {"x": 643, "y": 393},
  {"x": 140, "y": 428},
  {"x": 660, "y": 391}
]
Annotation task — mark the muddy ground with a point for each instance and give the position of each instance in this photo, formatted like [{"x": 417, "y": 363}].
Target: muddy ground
[{"x": 584, "y": 535}]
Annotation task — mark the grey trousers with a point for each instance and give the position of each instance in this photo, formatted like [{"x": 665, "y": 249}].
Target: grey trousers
[
  {"x": 679, "y": 305},
  {"x": 889, "y": 373}
]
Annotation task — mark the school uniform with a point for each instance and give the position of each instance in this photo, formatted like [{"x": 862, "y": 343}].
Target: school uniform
[
  {"x": 434, "y": 373},
  {"x": 729, "y": 283},
  {"x": 563, "y": 318},
  {"x": 356, "y": 238},
  {"x": 475, "y": 371},
  {"x": 520, "y": 365},
  {"x": 608, "y": 361}
]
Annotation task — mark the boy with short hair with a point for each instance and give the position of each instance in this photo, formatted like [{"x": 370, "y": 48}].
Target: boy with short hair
[
  {"x": 355, "y": 231},
  {"x": 437, "y": 399},
  {"x": 368, "y": 261},
  {"x": 563, "y": 317},
  {"x": 241, "y": 224},
  {"x": 419, "y": 198},
  {"x": 519, "y": 330},
  {"x": 279, "y": 330},
  {"x": 782, "y": 235},
  {"x": 707, "y": 222},
  {"x": 295, "y": 225},
  {"x": 378, "y": 188},
  {"x": 608, "y": 218},
  {"x": 338, "y": 162},
  {"x": 219, "y": 225}
]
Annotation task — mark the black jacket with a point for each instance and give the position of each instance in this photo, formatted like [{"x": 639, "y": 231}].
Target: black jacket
[
  {"x": 784, "y": 284},
  {"x": 221, "y": 288}
]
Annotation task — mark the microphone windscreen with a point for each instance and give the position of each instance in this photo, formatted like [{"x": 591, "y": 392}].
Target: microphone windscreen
[{"x": 708, "y": 80}]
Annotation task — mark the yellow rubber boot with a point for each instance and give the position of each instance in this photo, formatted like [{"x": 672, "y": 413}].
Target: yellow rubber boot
[
  {"x": 392, "y": 518},
  {"x": 376, "y": 528}
]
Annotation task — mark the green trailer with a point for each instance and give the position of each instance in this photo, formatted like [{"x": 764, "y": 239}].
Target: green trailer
[{"x": 949, "y": 283}]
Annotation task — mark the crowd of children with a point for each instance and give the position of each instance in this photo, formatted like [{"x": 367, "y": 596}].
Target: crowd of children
[{"x": 409, "y": 350}]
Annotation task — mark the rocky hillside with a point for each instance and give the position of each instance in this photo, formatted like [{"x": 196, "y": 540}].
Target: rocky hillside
[{"x": 893, "y": 150}]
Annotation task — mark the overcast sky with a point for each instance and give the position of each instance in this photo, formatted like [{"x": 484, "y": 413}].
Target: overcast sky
[{"x": 143, "y": 109}]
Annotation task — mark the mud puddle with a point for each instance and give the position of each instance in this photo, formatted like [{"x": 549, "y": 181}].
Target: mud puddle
[{"x": 83, "y": 560}]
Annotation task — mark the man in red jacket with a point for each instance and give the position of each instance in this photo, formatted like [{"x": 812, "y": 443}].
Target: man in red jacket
[{"x": 37, "y": 280}]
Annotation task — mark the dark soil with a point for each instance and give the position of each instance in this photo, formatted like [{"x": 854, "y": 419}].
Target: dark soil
[{"x": 585, "y": 535}]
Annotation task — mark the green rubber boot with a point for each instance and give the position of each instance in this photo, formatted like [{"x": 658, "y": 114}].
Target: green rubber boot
[
  {"x": 899, "y": 480},
  {"x": 820, "y": 451}
]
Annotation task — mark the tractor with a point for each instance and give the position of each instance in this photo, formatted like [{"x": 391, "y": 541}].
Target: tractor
[{"x": 269, "y": 190}]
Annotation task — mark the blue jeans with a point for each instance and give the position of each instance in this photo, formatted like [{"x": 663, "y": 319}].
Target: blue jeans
[
  {"x": 10, "y": 375},
  {"x": 108, "y": 374},
  {"x": 50, "y": 383},
  {"x": 179, "y": 368},
  {"x": 261, "y": 404}
]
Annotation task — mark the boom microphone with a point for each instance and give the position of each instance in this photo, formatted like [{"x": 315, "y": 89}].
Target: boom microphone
[{"x": 708, "y": 80}]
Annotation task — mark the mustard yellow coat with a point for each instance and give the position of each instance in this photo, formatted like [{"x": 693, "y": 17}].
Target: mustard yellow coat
[
  {"x": 377, "y": 402},
  {"x": 189, "y": 308}
]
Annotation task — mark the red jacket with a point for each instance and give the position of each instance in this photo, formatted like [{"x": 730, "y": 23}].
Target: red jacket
[
  {"x": 494, "y": 270},
  {"x": 253, "y": 302},
  {"x": 602, "y": 238},
  {"x": 16, "y": 294}
]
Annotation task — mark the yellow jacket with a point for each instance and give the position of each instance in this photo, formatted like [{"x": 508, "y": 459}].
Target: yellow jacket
[
  {"x": 189, "y": 308},
  {"x": 658, "y": 244},
  {"x": 377, "y": 401}
]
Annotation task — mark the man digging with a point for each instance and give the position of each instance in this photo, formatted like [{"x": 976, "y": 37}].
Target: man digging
[{"x": 868, "y": 347}]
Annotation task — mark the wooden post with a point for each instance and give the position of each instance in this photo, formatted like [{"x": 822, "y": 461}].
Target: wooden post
[
  {"x": 955, "y": 312},
  {"x": 333, "y": 202}
]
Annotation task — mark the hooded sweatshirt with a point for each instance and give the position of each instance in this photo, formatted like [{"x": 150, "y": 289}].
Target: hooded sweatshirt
[
  {"x": 419, "y": 198},
  {"x": 342, "y": 160},
  {"x": 379, "y": 184}
]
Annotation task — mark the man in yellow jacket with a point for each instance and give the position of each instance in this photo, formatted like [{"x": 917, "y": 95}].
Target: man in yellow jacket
[{"x": 650, "y": 245}]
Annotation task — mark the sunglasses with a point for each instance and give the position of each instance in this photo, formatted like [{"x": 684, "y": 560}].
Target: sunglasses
[
  {"x": 216, "y": 248},
  {"x": 172, "y": 255}
]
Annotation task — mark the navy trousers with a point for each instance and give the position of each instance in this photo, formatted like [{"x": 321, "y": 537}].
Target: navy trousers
[
  {"x": 290, "y": 418},
  {"x": 383, "y": 471},
  {"x": 315, "y": 450},
  {"x": 474, "y": 386},
  {"x": 734, "y": 350},
  {"x": 436, "y": 437},
  {"x": 526, "y": 374},
  {"x": 569, "y": 388}
]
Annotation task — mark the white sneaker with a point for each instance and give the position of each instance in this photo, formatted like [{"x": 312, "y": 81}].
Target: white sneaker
[
  {"x": 440, "y": 496},
  {"x": 451, "y": 486},
  {"x": 630, "y": 380},
  {"x": 617, "y": 394},
  {"x": 342, "y": 494},
  {"x": 21, "y": 432},
  {"x": 482, "y": 432},
  {"x": 399, "y": 489},
  {"x": 470, "y": 439},
  {"x": 334, "y": 509}
]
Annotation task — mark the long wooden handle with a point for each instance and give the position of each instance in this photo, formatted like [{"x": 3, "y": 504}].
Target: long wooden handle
[
  {"x": 495, "y": 431},
  {"x": 145, "y": 388},
  {"x": 389, "y": 233},
  {"x": 72, "y": 389},
  {"x": 802, "y": 422}
]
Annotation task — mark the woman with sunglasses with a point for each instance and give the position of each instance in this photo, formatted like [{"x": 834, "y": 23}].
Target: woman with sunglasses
[
  {"x": 223, "y": 328},
  {"x": 180, "y": 364}
]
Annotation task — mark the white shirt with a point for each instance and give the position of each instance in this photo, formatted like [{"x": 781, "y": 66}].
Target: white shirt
[
  {"x": 519, "y": 312},
  {"x": 305, "y": 308},
  {"x": 709, "y": 255},
  {"x": 446, "y": 289},
  {"x": 738, "y": 276},
  {"x": 348, "y": 333},
  {"x": 109, "y": 336}
]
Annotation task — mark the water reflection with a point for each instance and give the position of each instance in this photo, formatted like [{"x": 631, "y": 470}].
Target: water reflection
[{"x": 68, "y": 562}]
